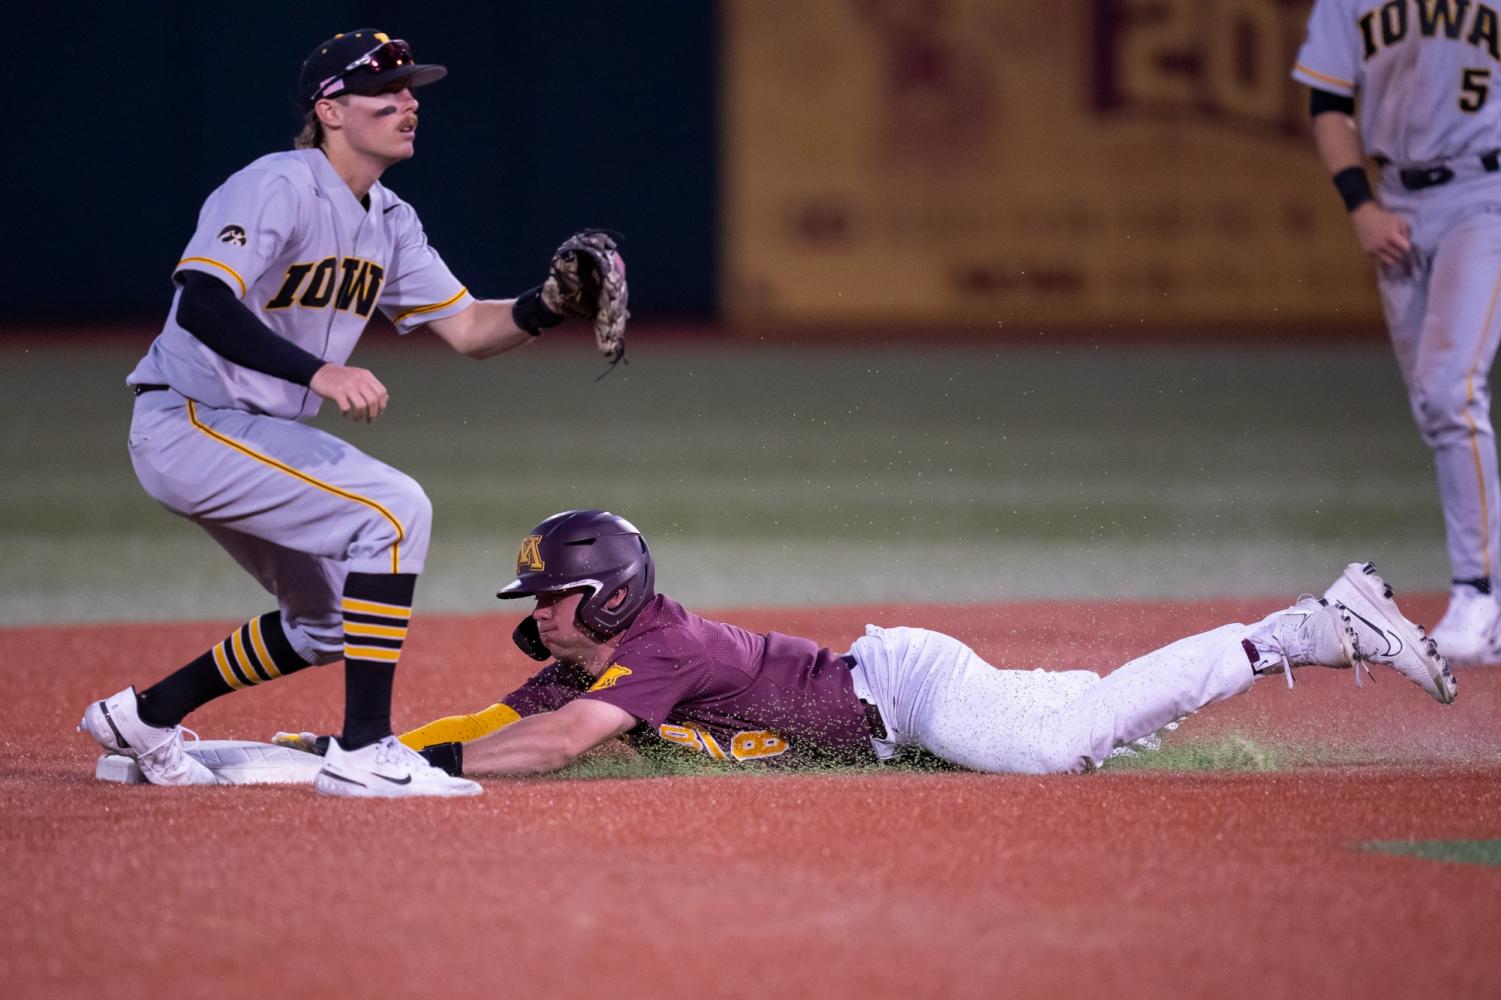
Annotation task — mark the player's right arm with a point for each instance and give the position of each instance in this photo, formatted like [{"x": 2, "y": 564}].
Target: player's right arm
[
  {"x": 244, "y": 225},
  {"x": 1329, "y": 63},
  {"x": 549, "y": 689},
  {"x": 1383, "y": 234},
  {"x": 208, "y": 309},
  {"x": 548, "y": 741}
]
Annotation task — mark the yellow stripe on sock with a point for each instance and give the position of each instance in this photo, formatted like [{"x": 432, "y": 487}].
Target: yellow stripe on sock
[
  {"x": 384, "y": 631},
  {"x": 376, "y": 608},
  {"x": 371, "y": 653},
  {"x": 242, "y": 658},
  {"x": 261, "y": 652},
  {"x": 222, "y": 662},
  {"x": 461, "y": 728}
]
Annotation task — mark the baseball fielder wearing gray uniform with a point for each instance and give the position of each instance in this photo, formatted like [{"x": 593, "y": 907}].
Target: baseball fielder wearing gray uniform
[
  {"x": 291, "y": 257},
  {"x": 1421, "y": 76},
  {"x": 630, "y": 662}
]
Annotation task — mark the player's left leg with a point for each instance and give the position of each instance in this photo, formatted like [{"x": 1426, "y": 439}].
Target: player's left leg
[
  {"x": 1448, "y": 383},
  {"x": 1034, "y": 722},
  {"x": 1355, "y": 624},
  {"x": 936, "y": 692}
]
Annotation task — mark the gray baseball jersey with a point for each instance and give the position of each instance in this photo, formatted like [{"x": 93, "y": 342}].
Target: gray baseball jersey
[
  {"x": 296, "y": 246},
  {"x": 1424, "y": 71},
  {"x": 1423, "y": 74},
  {"x": 229, "y": 447}
]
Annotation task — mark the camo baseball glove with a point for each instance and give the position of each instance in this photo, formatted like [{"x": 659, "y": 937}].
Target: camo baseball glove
[{"x": 586, "y": 280}]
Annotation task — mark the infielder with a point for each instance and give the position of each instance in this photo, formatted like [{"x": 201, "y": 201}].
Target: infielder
[
  {"x": 291, "y": 257},
  {"x": 626, "y": 660},
  {"x": 1423, "y": 73}
]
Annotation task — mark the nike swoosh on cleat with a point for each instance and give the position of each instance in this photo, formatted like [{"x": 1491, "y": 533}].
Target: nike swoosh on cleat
[
  {"x": 396, "y": 781},
  {"x": 124, "y": 743},
  {"x": 1389, "y": 636},
  {"x": 326, "y": 773}
]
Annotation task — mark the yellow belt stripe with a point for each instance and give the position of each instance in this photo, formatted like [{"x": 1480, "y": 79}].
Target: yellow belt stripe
[
  {"x": 209, "y": 260},
  {"x": 384, "y": 631},
  {"x": 432, "y": 308},
  {"x": 223, "y": 664},
  {"x": 376, "y": 608},
  {"x": 371, "y": 653},
  {"x": 243, "y": 660},
  {"x": 1347, "y": 84},
  {"x": 1485, "y": 520},
  {"x": 263, "y": 654},
  {"x": 303, "y": 476}
]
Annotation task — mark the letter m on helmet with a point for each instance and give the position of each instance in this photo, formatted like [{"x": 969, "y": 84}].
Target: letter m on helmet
[{"x": 530, "y": 556}]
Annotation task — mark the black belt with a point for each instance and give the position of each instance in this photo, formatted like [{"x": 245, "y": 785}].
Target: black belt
[
  {"x": 149, "y": 387},
  {"x": 1418, "y": 178},
  {"x": 873, "y": 720}
]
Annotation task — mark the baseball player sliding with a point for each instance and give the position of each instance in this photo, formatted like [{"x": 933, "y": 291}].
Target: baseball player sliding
[
  {"x": 291, "y": 257},
  {"x": 627, "y": 661},
  {"x": 1420, "y": 76}
]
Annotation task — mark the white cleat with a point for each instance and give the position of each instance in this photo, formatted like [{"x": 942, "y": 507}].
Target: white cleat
[
  {"x": 1375, "y": 631},
  {"x": 1469, "y": 634},
  {"x": 386, "y": 770},
  {"x": 117, "y": 727},
  {"x": 1308, "y": 634}
]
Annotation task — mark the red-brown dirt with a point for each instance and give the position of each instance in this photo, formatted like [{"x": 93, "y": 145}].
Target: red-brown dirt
[{"x": 1121, "y": 884}]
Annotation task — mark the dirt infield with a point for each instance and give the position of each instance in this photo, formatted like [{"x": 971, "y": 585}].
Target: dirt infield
[{"x": 1128, "y": 884}]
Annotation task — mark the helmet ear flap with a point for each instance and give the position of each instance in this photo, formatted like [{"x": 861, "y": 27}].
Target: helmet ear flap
[{"x": 529, "y": 640}]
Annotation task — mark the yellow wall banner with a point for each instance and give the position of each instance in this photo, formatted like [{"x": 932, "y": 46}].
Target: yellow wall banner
[{"x": 1014, "y": 164}]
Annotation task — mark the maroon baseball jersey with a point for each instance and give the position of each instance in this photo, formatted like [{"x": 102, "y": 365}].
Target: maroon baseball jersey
[{"x": 714, "y": 687}]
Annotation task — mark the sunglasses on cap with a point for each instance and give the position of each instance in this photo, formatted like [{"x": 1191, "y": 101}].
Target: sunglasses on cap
[{"x": 382, "y": 59}]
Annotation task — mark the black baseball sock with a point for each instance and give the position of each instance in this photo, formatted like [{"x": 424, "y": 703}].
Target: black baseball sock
[
  {"x": 377, "y": 609},
  {"x": 256, "y": 651}
]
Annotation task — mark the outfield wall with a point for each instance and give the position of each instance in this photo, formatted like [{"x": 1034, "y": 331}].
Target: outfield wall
[
  {"x": 990, "y": 165},
  {"x": 1033, "y": 163}
]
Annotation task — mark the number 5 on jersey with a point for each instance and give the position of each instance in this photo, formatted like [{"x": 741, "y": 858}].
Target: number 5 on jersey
[{"x": 1474, "y": 88}]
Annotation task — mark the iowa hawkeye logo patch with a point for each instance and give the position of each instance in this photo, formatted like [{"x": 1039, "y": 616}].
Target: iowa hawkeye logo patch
[
  {"x": 232, "y": 234},
  {"x": 610, "y": 677}
]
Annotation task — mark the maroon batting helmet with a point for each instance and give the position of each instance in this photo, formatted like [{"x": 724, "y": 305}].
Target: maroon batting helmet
[{"x": 591, "y": 549}]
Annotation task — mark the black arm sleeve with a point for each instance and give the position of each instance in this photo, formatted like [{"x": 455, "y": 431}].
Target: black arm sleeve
[
  {"x": 209, "y": 311},
  {"x": 1320, "y": 101}
]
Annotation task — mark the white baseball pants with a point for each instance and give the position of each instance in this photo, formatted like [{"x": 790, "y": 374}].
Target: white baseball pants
[{"x": 936, "y": 693}]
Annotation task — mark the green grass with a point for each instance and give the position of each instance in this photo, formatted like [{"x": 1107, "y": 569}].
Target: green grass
[
  {"x": 1470, "y": 852},
  {"x": 778, "y": 475},
  {"x": 1234, "y": 753}
]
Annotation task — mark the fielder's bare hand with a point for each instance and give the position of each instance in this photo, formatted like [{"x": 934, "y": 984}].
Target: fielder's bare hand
[
  {"x": 1382, "y": 234},
  {"x": 356, "y": 391}
]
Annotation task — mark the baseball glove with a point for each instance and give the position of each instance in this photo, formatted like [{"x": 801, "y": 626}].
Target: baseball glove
[{"x": 586, "y": 280}]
